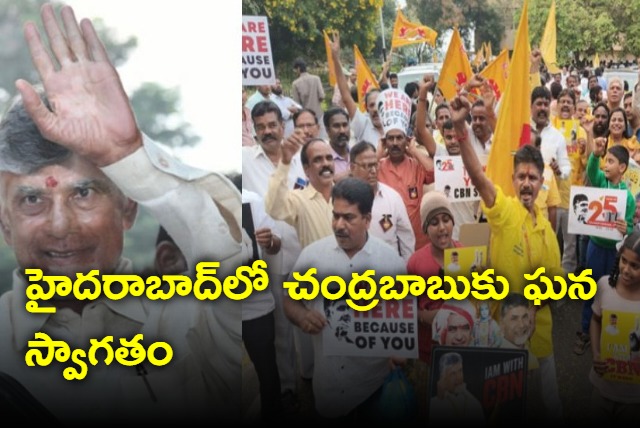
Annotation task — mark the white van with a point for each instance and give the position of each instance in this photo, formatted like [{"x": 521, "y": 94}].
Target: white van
[{"x": 415, "y": 72}]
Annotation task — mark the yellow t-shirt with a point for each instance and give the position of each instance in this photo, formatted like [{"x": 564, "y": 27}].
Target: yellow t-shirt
[
  {"x": 517, "y": 247},
  {"x": 549, "y": 196}
]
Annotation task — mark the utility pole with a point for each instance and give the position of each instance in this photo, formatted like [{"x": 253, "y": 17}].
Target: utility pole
[{"x": 384, "y": 48}]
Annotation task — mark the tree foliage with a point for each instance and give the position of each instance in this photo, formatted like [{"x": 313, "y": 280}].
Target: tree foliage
[
  {"x": 470, "y": 16},
  {"x": 295, "y": 26}
]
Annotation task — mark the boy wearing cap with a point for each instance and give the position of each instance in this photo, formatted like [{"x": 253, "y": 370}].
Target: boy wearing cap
[{"x": 521, "y": 240}]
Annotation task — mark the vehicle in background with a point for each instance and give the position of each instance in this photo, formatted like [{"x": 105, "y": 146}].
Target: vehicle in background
[
  {"x": 415, "y": 72},
  {"x": 626, "y": 74}
]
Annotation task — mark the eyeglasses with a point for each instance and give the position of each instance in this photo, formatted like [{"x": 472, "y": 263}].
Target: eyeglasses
[{"x": 368, "y": 166}]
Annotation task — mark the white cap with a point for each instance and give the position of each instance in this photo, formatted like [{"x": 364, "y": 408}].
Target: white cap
[{"x": 394, "y": 108}]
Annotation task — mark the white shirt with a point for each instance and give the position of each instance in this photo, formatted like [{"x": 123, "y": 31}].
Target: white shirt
[
  {"x": 390, "y": 221},
  {"x": 257, "y": 168},
  {"x": 205, "y": 372},
  {"x": 284, "y": 103},
  {"x": 342, "y": 383},
  {"x": 554, "y": 146},
  {"x": 363, "y": 129}
]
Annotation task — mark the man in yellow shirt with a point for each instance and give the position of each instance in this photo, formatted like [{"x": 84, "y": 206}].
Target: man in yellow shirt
[{"x": 521, "y": 241}]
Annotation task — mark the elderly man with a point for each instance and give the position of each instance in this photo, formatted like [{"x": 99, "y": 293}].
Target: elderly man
[
  {"x": 390, "y": 221},
  {"x": 342, "y": 385},
  {"x": 73, "y": 162}
]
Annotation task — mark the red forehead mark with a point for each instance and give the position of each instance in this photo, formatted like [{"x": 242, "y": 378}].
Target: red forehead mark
[{"x": 51, "y": 182}]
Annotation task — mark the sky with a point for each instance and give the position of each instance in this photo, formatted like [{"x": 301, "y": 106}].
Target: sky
[{"x": 192, "y": 45}]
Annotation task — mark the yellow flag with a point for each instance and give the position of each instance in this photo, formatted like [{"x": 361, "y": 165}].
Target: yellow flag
[
  {"x": 548, "y": 41},
  {"x": 496, "y": 74},
  {"x": 366, "y": 80},
  {"x": 456, "y": 69},
  {"x": 513, "y": 128},
  {"x": 487, "y": 51},
  {"x": 407, "y": 33},
  {"x": 479, "y": 57},
  {"x": 327, "y": 47},
  {"x": 596, "y": 61}
]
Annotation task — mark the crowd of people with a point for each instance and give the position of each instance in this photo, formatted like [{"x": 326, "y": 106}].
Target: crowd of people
[{"x": 583, "y": 133}]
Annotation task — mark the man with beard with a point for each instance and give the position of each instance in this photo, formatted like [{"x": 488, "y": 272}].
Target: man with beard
[
  {"x": 390, "y": 221},
  {"x": 633, "y": 115},
  {"x": 308, "y": 210},
  {"x": 403, "y": 167},
  {"x": 344, "y": 386},
  {"x": 367, "y": 127},
  {"x": 553, "y": 146},
  {"x": 576, "y": 143},
  {"x": 336, "y": 123},
  {"x": 287, "y": 106},
  {"x": 521, "y": 239}
]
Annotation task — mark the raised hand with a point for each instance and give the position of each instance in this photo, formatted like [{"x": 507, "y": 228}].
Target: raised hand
[
  {"x": 90, "y": 111},
  {"x": 291, "y": 145},
  {"x": 460, "y": 108}
]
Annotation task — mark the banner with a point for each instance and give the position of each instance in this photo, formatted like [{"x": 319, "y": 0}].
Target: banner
[
  {"x": 632, "y": 178},
  {"x": 407, "y": 33},
  {"x": 496, "y": 74},
  {"x": 477, "y": 386},
  {"x": 464, "y": 260},
  {"x": 620, "y": 345},
  {"x": 389, "y": 329},
  {"x": 456, "y": 70},
  {"x": 257, "y": 58},
  {"x": 548, "y": 41},
  {"x": 513, "y": 127},
  {"x": 366, "y": 80},
  {"x": 594, "y": 211},
  {"x": 452, "y": 179}
]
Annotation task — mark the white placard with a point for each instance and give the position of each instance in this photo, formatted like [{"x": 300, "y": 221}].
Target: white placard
[
  {"x": 389, "y": 329},
  {"x": 257, "y": 57},
  {"x": 593, "y": 211},
  {"x": 451, "y": 178}
]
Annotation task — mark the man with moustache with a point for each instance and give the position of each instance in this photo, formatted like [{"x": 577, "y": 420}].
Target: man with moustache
[
  {"x": 367, "y": 127},
  {"x": 306, "y": 121},
  {"x": 344, "y": 387},
  {"x": 259, "y": 163},
  {"x": 389, "y": 218},
  {"x": 403, "y": 167},
  {"x": 336, "y": 123},
  {"x": 287, "y": 105},
  {"x": 308, "y": 210},
  {"x": 521, "y": 238}
]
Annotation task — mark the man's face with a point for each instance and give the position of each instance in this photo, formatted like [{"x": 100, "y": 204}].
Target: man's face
[
  {"x": 527, "y": 180},
  {"x": 307, "y": 123},
  {"x": 269, "y": 131},
  {"x": 320, "y": 168},
  {"x": 479, "y": 124},
  {"x": 265, "y": 90},
  {"x": 443, "y": 115},
  {"x": 349, "y": 225},
  {"x": 396, "y": 143},
  {"x": 565, "y": 107},
  {"x": 393, "y": 82},
  {"x": 581, "y": 209},
  {"x": 277, "y": 88},
  {"x": 451, "y": 141},
  {"x": 372, "y": 109},
  {"x": 581, "y": 109},
  {"x": 65, "y": 219},
  {"x": 458, "y": 331},
  {"x": 339, "y": 132},
  {"x": 516, "y": 325},
  {"x": 452, "y": 379},
  {"x": 600, "y": 121},
  {"x": 628, "y": 108},
  {"x": 572, "y": 81},
  {"x": 339, "y": 318},
  {"x": 557, "y": 77},
  {"x": 540, "y": 112},
  {"x": 365, "y": 167},
  {"x": 354, "y": 76},
  {"x": 593, "y": 81},
  {"x": 614, "y": 92}
]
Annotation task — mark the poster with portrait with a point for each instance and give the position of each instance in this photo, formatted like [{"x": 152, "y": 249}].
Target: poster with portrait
[
  {"x": 594, "y": 211},
  {"x": 632, "y": 177},
  {"x": 257, "y": 57},
  {"x": 464, "y": 260},
  {"x": 451, "y": 178},
  {"x": 389, "y": 329},
  {"x": 477, "y": 386},
  {"x": 620, "y": 345}
]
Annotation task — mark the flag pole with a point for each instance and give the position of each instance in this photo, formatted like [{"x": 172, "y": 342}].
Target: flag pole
[{"x": 384, "y": 48}]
